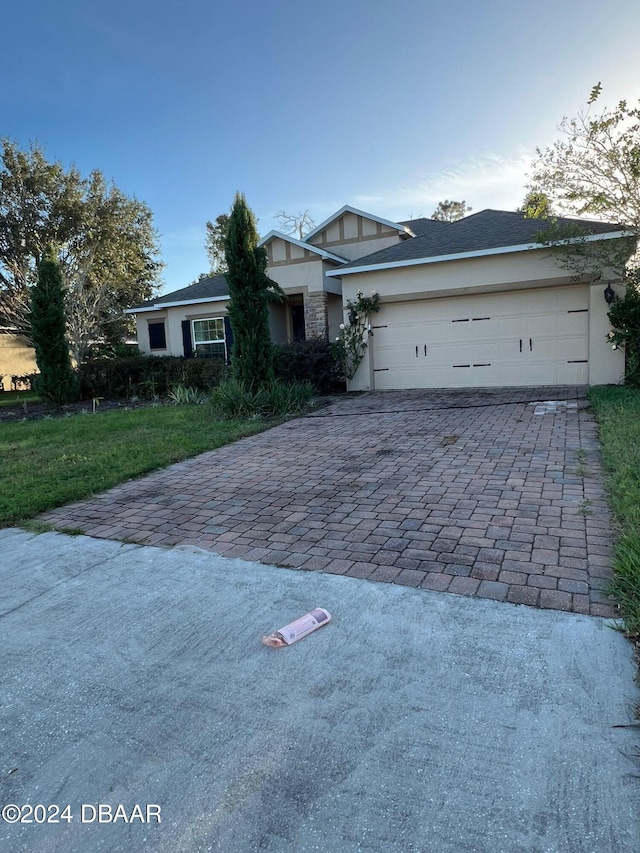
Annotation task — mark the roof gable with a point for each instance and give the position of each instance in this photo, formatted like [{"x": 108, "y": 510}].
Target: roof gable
[
  {"x": 395, "y": 226},
  {"x": 278, "y": 235}
]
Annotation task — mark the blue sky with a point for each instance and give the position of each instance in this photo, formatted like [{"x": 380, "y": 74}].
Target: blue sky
[{"x": 304, "y": 105}]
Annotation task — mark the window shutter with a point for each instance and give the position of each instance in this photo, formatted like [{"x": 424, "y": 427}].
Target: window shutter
[
  {"x": 157, "y": 336},
  {"x": 187, "y": 343},
  {"x": 228, "y": 338}
]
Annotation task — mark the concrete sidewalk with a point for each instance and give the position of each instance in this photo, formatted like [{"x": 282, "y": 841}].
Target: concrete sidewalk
[{"x": 417, "y": 721}]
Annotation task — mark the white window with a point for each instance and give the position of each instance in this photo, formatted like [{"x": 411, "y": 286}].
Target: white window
[{"x": 208, "y": 337}]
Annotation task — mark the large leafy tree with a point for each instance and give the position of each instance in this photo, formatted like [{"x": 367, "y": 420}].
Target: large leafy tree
[
  {"x": 110, "y": 264},
  {"x": 106, "y": 244},
  {"x": 249, "y": 286},
  {"x": 536, "y": 205},
  {"x": 593, "y": 169},
  {"x": 450, "y": 211},
  {"x": 40, "y": 204},
  {"x": 214, "y": 244},
  {"x": 56, "y": 380}
]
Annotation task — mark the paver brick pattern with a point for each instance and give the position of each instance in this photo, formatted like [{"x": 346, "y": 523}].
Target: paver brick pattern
[{"x": 469, "y": 492}]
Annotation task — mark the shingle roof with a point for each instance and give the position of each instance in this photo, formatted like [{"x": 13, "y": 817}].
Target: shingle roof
[
  {"x": 488, "y": 229},
  {"x": 425, "y": 226},
  {"x": 206, "y": 288}
]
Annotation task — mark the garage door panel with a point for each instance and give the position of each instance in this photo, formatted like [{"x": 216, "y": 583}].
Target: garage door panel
[{"x": 530, "y": 337}]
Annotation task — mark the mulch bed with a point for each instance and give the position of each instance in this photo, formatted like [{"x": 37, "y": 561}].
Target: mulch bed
[{"x": 37, "y": 411}]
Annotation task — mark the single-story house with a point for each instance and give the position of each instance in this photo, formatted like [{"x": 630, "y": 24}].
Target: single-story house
[
  {"x": 17, "y": 359},
  {"x": 472, "y": 303}
]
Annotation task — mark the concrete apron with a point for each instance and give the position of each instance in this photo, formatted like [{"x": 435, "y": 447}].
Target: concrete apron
[{"x": 415, "y": 721}]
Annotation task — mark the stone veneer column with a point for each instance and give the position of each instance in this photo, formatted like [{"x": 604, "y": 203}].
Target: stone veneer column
[{"x": 316, "y": 318}]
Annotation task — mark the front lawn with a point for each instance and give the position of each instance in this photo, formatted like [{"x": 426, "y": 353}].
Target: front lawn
[
  {"x": 51, "y": 462},
  {"x": 13, "y": 398},
  {"x": 617, "y": 410}
]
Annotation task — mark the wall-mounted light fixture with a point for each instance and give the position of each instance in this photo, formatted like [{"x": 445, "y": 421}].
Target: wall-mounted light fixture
[{"x": 609, "y": 294}]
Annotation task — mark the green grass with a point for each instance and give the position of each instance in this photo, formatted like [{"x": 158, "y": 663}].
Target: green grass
[
  {"x": 47, "y": 463},
  {"x": 10, "y": 398},
  {"x": 617, "y": 410}
]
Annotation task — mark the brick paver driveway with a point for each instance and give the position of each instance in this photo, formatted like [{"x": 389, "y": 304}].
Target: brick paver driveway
[{"x": 480, "y": 493}]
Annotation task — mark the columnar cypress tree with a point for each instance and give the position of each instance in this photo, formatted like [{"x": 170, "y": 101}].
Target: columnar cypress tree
[
  {"x": 57, "y": 381},
  {"x": 252, "y": 355}
]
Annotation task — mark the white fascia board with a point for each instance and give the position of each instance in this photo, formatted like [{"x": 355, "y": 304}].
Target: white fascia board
[
  {"x": 289, "y": 239},
  {"x": 159, "y": 306},
  {"x": 348, "y": 209},
  {"x": 459, "y": 256}
]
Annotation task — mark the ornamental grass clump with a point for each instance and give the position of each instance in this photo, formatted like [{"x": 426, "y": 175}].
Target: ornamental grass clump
[
  {"x": 186, "y": 395},
  {"x": 235, "y": 400}
]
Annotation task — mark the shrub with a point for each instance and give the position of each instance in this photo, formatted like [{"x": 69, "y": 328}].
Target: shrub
[
  {"x": 186, "y": 395},
  {"x": 248, "y": 309},
  {"x": 308, "y": 361},
  {"x": 276, "y": 400},
  {"x": 147, "y": 376},
  {"x": 233, "y": 400},
  {"x": 118, "y": 349},
  {"x": 625, "y": 319},
  {"x": 56, "y": 380},
  {"x": 280, "y": 399}
]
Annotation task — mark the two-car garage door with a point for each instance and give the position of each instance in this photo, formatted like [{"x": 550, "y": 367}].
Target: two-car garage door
[{"x": 531, "y": 337}]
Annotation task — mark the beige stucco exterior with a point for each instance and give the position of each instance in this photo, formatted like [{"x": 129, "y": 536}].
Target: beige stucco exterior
[
  {"x": 173, "y": 317},
  {"x": 606, "y": 366},
  {"x": 305, "y": 274},
  {"x": 17, "y": 358},
  {"x": 455, "y": 278},
  {"x": 525, "y": 272}
]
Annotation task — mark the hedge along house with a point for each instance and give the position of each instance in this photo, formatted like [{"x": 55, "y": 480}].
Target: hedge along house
[
  {"x": 193, "y": 320},
  {"x": 473, "y": 303}
]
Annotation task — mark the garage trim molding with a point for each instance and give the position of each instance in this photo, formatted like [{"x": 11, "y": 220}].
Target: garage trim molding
[{"x": 502, "y": 250}]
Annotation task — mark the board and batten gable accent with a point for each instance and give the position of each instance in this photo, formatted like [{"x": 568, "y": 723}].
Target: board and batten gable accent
[
  {"x": 354, "y": 236},
  {"x": 283, "y": 252}
]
